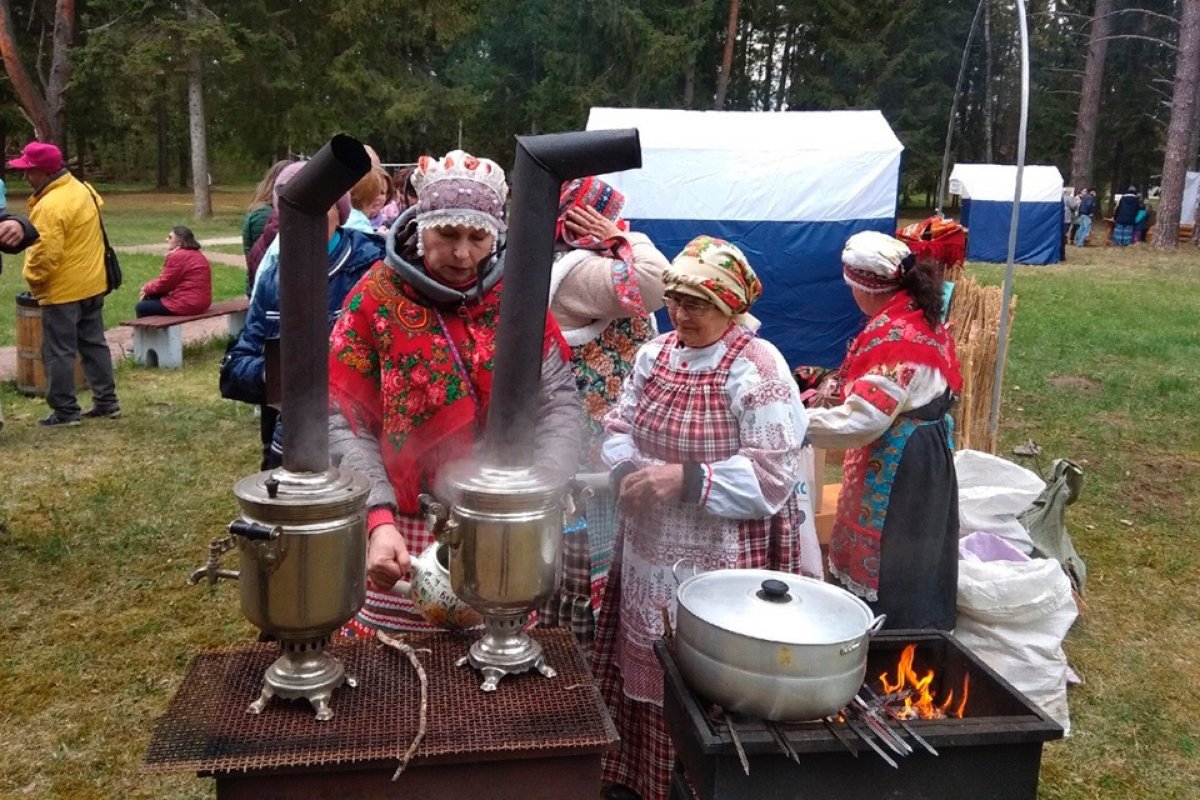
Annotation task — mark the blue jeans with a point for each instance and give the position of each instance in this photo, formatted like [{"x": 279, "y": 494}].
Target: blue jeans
[{"x": 1085, "y": 227}]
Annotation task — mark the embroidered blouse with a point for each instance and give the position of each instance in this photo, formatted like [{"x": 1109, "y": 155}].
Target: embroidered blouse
[{"x": 772, "y": 424}]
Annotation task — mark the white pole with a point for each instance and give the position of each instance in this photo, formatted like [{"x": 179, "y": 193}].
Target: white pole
[
  {"x": 1002, "y": 345},
  {"x": 962, "y": 72}
]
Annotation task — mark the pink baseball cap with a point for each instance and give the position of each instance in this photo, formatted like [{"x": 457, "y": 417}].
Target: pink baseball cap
[{"x": 41, "y": 156}]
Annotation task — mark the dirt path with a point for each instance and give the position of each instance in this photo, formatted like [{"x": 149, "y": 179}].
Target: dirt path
[{"x": 120, "y": 339}]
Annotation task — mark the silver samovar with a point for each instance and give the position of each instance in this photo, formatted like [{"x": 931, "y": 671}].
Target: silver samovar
[
  {"x": 504, "y": 533},
  {"x": 302, "y": 535}
]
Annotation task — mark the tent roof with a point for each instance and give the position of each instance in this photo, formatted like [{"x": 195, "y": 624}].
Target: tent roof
[
  {"x": 998, "y": 182},
  {"x": 757, "y": 166},
  {"x": 736, "y": 131}
]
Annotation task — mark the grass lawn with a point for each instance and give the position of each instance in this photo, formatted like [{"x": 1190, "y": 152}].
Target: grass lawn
[
  {"x": 103, "y": 523},
  {"x": 141, "y": 218}
]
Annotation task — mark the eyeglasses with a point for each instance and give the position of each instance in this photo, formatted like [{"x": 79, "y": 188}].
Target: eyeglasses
[{"x": 692, "y": 305}]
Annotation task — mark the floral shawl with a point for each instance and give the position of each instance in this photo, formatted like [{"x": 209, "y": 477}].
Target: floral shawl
[
  {"x": 418, "y": 379},
  {"x": 900, "y": 334}
]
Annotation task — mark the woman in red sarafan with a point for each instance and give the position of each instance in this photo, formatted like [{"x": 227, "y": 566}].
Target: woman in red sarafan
[
  {"x": 706, "y": 448},
  {"x": 895, "y": 534}
]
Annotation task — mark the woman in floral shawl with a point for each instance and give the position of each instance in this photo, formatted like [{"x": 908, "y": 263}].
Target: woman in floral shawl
[
  {"x": 895, "y": 534},
  {"x": 410, "y": 368},
  {"x": 606, "y": 283},
  {"x": 706, "y": 448}
]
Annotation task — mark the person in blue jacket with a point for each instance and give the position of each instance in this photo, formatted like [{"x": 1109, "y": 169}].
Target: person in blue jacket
[{"x": 351, "y": 254}]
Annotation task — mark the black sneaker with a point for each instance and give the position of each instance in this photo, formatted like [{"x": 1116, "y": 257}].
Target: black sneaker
[
  {"x": 55, "y": 421},
  {"x": 102, "y": 413}
]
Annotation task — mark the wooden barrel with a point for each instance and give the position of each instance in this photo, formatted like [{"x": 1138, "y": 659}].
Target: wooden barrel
[{"x": 31, "y": 374}]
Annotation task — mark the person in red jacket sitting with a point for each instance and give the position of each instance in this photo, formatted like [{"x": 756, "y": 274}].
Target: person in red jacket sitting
[{"x": 185, "y": 284}]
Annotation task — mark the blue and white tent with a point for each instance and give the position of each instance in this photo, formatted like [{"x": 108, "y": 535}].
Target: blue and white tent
[
  {"x": 788, "y": 188},
  {"x": 987, "y": 192}
]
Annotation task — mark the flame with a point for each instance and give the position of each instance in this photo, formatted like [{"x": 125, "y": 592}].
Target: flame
[{"x": 919, "y": 701}]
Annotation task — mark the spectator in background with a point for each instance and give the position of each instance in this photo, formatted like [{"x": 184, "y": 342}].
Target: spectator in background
[
  {"x": 65, "y": 272},
  {"x": 1141, "y": 221},
  {"x": 258, "y": 212},
  {"x": 351, "y": 253},
  {"x": 364, "y": 199},
  {"x": 1087, "y": 207},
  {"x": 1125, "y": 216},
  {"x": 185, "y": 284},
  {"x": 266, "y": 248},
  {"x": 1070, "y": 215},
  {"x": 403, "y": 196}
]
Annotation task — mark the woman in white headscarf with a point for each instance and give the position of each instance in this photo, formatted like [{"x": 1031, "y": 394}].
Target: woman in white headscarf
[
  {"x": 706, "y": 449},
  {"x": 895, "y": 535}
]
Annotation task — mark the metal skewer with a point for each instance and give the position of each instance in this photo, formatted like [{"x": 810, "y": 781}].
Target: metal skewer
[
  {"x": 832, "y": 725},
  {"x": 903, "y": 723},
  {"x": 881, "y": 728},
  {"x": 737, "y": 743},
  {"x": 781, "y": 740},
  {"x": 863, "y": 734}
]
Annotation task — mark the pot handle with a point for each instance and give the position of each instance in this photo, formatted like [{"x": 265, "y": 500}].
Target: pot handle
[
  {"x": 874, "y": 627},
  {"x": 675, "y": 569}
]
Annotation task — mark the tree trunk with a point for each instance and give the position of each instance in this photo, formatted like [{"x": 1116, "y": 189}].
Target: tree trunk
[
  {"x": 1183, "y": 117},
  {"x": 768, "y": 90},
  {"x": 160, "y": 118},
  {"x": 689, "y": 72},
  {"x": 60, "y": 69},
  {"x": 727, "y": 56},
  {"x": 988, "y": 87},
  {"x": 200, "y": 188},
  {"x": 785, "y": 68},
  {"x": 44, "y": 106},
  {"x": 1087, "y": 120}
]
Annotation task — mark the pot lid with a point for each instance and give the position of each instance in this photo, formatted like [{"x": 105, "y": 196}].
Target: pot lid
[{"x": 775, "y": 606}]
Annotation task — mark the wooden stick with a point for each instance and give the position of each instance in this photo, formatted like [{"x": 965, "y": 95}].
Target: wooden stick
[{"x": 423, "y": 711}]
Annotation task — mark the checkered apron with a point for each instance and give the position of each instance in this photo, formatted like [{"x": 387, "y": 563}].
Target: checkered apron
[{"x": 682, "y": 416}]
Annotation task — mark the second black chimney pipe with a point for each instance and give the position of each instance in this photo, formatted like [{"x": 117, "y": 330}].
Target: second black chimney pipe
[{"x": 542, "y": 164}]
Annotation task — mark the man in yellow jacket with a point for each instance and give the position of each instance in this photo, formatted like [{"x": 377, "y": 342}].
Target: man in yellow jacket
[{"x": 65, "y": 273}]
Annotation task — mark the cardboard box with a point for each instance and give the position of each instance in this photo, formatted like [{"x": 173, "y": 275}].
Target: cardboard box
[{"x": 825, "y": 514}]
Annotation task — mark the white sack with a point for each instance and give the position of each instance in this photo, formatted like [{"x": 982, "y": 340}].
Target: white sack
[
  {"x": 1014, "y": 616},
  {"x": 992, "y": 492}
]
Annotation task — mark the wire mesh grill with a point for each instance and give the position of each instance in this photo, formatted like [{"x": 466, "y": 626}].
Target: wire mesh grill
[{"x": 206, "y": 727}]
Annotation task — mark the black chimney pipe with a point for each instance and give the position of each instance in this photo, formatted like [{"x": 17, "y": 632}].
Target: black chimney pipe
[
  {"x": 542, "y": 164},
  {"x": 304, "y": 297}
]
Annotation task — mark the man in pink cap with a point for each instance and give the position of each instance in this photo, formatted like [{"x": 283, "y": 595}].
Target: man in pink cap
[{"x": 65, "y": 273}]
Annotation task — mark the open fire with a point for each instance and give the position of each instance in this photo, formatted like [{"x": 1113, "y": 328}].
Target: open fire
[{"x": 918, "y": 700}]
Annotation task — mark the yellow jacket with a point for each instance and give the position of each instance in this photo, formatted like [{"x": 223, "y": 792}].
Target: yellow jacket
[{"x": 67, "y": 263}]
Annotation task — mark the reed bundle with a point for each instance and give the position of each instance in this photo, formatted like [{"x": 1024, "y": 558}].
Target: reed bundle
[{"x": 975, "y": 324}]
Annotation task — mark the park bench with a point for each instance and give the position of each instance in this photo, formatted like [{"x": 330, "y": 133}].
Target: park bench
[{"x": 158, "y": 341}]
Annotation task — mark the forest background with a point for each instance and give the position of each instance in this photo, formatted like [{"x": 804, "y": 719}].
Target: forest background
[{"x": 115, "y": 82}]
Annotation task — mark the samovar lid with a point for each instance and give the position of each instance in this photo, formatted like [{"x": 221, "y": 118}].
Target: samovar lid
[
  {"x": 284, "y": 497},
  {"x": 495, "y": 488}
]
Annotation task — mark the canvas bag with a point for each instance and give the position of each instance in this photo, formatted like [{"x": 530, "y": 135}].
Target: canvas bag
[
  {"x": 112, "y": 266},
  {"x": 1014, "y": 612}
]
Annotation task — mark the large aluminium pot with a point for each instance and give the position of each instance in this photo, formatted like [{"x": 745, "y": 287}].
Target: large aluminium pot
[{"x": 770, "y": 644}]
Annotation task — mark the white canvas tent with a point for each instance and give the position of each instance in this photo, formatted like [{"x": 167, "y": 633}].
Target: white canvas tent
[
  {"x": 788, "y": 188},
  {"x": 988, "y": 191}
]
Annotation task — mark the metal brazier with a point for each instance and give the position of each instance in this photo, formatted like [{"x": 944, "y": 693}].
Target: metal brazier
[{"x": 771, "y": 644}]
